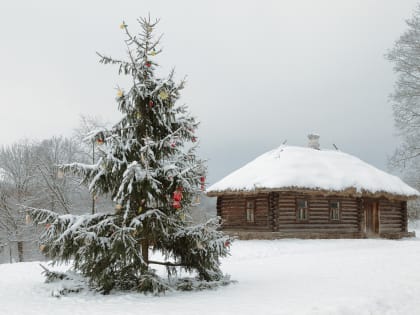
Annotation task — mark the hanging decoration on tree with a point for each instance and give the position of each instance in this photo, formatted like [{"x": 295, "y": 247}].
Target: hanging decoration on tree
[
  {"x": 177, "y": 197},
  {"x": 194, "y": 139},
  {"x": 60, "y": 174},
  {"x": 123, "y": 26},
  {"x": 153, "y": 53},
  {"x": 120, "y": 94},
  {"x": 197, "y": 199},
  {"x": 151, "y": 104},
  {"x": 203, "y": 182},
  {"x": 148, "y": 64},
  {"x": 163, "y": 95},
  {"x": 28, "y": 219}
]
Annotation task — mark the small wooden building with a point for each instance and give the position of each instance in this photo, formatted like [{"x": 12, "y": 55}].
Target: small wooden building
[{"x": 305, "y": 192}]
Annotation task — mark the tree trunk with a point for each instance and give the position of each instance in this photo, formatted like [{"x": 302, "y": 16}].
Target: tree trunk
[
  {"x": 145, "y": 250},
  {"x": 10, "y": 253},
  {"x": 20, "y": 250}
]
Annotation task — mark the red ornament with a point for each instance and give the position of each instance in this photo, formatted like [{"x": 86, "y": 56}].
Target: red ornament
[
  {"x": 148, "y": 64},
  {"x": 177, "y": 197},
  {"x": 176, "y": 204},
  {"x": 99, "y": 141},
  {"x": 203, "y": 182},
  {"x": 173, "y": 145},
  {"x": 193, "y": 139},
  {"x": 47, "y": 226},
  {"x": 151, "y": 104},
  {"x": 227, "y": 243}
]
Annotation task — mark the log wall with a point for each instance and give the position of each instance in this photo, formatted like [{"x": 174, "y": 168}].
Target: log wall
[
  {"x": 392, "y": 216},
  {"x": 275, "y": 212},
  {"x": 233, "y": 212},
  {"x": 318, "y": 215}
]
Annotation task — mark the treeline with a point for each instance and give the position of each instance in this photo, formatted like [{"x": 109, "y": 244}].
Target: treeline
[{"x": 29, "y": 177}]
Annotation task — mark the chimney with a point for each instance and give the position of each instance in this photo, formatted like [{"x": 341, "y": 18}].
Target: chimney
[{"x": 313, "y": 141}]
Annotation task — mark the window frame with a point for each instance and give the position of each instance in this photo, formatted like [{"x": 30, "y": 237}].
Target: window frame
[
  {"x": 305, "y": 210},
  {"x": 250, "y": 211},
  {"x": 332, "y": 218}
]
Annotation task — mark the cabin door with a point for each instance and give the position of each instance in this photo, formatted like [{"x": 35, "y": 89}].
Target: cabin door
[{"x": 371, "y": 219}]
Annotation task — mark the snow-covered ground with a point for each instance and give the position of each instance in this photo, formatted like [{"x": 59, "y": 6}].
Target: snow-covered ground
[{"x": 274, "y": 277}]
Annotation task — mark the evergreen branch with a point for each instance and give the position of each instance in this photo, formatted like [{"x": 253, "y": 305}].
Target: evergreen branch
[{"x": 165, "y": 263}]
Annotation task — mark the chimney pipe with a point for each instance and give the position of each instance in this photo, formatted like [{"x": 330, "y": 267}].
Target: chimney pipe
[{"x": 313, "y": 141}]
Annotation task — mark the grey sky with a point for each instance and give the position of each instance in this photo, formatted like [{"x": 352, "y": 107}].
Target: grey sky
[{"x": 259, "y": 72}]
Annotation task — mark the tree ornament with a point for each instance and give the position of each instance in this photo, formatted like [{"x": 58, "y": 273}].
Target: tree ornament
[
  {"x": 151, "y": 104},
  {"x": 120, "y": 93},
  {"x": 99, "y": 141},
  {"x": 28, "y": 219},
  {"x": 163, "y": 95},
  {"x": 42, "y": 247},
  {"x": 203, "y": 182},
  {"x": 199, "y": 245},
  {"x": 123, "y": 25},
  {"x": 177, "y": 197},
  {"x": 153, "y": 53},
  {"x": 47, "y": 226},
  {"x": 138, "y": 115},
  {"x": 148, "y": 64},
  {"x": 193, "y": 139},
  {"x": 227, "y": 243},
  {"x": 140, "y": 210},
  {"x": 118, "y": 208},
  {"x": 197, "y": 199}
]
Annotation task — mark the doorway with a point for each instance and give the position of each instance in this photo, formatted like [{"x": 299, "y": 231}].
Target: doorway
[{"x": 371, "y": 219}]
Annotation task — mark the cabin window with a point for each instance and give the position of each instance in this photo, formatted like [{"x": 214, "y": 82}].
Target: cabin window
[
  {"x": 250, "y": 210},
  {"x": 335, "y": 210},
  {"x": 302, "y": 209}
]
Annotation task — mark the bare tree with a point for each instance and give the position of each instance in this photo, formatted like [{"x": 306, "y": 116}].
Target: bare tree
[
  {"x": 55, "y": 189},
  {"x": 89, "y": 126},
  {"x": 29, "y": 176},
  {"x": 405, "y": 55},
  {"x": 17, "y": 188}
]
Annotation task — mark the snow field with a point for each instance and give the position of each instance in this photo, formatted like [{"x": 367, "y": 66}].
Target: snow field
[{"x": 274, "y": 277}]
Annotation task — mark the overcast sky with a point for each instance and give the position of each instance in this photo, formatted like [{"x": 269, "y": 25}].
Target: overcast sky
[{"x": 259, "y": 72}]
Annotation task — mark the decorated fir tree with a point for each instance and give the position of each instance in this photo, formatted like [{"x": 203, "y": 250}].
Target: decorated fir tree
[{"x": 149, "y": 167}]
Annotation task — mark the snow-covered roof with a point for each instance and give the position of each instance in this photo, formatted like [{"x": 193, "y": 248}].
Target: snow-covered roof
[{"x": 294, "y": 168}]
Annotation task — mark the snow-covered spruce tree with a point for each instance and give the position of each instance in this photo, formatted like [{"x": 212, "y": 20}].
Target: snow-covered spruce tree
[{"x": 148, "y": 165}]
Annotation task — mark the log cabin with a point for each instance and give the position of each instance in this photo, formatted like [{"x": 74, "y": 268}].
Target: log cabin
[{"x": 306, "y": 192}]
